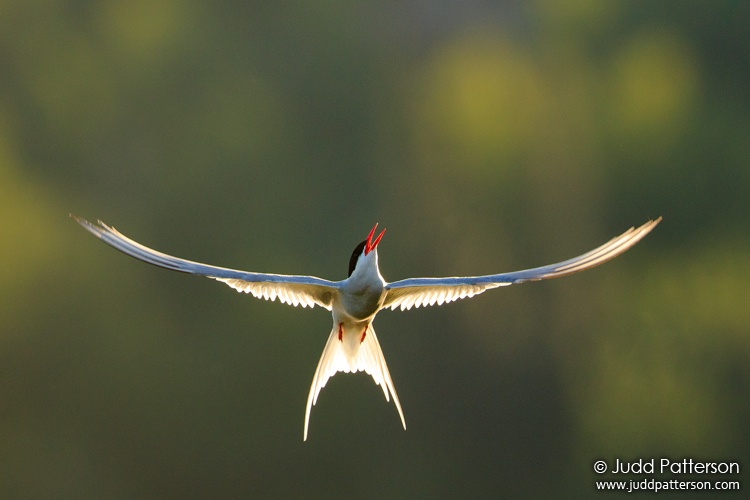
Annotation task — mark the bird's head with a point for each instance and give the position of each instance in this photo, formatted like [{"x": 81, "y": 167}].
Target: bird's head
[{"x": 366, "y": 251}]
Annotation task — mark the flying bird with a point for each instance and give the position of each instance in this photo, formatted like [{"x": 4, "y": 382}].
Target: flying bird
[{"x": 354, "y": 302}]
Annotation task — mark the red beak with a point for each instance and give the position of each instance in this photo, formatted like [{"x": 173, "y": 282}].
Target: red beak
[{"x": 370, "y": 244}]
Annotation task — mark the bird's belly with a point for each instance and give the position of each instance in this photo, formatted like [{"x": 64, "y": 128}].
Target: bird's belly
[{"x": 361, "y": 306}]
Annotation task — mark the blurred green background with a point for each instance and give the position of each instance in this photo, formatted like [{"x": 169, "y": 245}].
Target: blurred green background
[{"x": 486, "y": 136}]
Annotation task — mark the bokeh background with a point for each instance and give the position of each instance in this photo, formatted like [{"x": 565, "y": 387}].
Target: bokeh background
[{"x": 270, "y": 136}]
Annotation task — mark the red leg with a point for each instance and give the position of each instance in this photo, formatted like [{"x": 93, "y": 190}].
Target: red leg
[
  {"x": 364, "y": 333},
  {"x": 341, "y": 332}
]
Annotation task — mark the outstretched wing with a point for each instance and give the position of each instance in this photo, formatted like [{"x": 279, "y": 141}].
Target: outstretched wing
[
  {"x": 294, "y": 290},
  {"x": 416, "y": 292}
]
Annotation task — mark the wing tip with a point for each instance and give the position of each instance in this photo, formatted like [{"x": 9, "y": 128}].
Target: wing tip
[
  {"x": 644, "y": 229},
  {"x": 97, "y": 231}
]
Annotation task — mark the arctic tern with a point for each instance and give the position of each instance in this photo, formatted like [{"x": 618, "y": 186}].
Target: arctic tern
[{"x": 352, "y": 345}]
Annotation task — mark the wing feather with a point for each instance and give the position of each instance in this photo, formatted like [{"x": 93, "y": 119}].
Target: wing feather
[
  {"x": 306, "y": 291},
  {"x": 418, "y": 292}
]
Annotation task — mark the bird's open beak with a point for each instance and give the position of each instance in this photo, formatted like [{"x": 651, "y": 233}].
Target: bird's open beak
[{"x": 370, "y": 244}]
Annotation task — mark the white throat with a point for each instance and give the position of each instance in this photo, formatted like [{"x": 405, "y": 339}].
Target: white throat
[{"x": 367, "y": 271}]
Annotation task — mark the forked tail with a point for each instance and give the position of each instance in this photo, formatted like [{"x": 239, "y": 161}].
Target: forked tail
[{"x": 335, "y": 358}]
